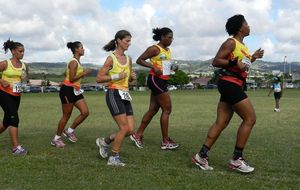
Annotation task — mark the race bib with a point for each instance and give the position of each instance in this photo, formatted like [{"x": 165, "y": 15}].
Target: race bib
[
  {"x": 17, "y": 87},
  {"x": 125, "y": 95},
  {"x": 166, "y": 66},
  {"x": 277, "y": 89},
  {"x": 78, "y": 92},
  {"x": 246, "y": 60}
]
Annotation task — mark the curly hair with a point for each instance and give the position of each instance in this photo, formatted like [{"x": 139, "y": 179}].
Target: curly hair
[{"x": 234, "y": 24}]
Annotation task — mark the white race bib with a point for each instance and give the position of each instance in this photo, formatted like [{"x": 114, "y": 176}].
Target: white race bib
[
  {"x": 277, "y": 89},
  {"x": 166, "y": 65},
  {"x": 78, "y": 92},
  {"x": 246, "y": 60},
  {"x": 125, "y": 95},
  {"x": 17, "y": 87}
]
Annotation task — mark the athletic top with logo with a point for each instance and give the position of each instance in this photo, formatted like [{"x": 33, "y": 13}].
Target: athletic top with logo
[
  {"x": 13, "y": 76},
  {"x": 277, "y": 87},
  {"x": 75, "y": 84},
  {"x": 116, "y": 69},
  {"x": 241, "y": 52},
  {"x": 163, "y": 62}
]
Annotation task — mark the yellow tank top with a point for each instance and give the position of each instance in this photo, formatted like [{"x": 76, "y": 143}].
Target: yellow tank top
[
  {"x": 13, "y": 76},
  {"x": 240, "y": 51},
  {"x": 116, "y": 69},
  {"x": 77, "y": 83},
  {"x": 158, "y": 61}
]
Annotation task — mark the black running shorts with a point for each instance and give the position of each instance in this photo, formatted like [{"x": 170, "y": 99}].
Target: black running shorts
[
  {"x": 67, "y": 95},
  {"x": 157, "y": 85},
  {"x": 116, "y": 105},
  {"x": 231, "y": 92}
]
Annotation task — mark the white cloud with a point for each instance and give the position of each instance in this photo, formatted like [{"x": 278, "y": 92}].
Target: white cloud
[{"x": 45, "y": 26}]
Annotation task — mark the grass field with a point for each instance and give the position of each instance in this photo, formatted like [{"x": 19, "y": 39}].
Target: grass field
[{"x": 273, "y": 148}]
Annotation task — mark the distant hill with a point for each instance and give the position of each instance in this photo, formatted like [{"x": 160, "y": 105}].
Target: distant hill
[{"x": 185, "y": 65}]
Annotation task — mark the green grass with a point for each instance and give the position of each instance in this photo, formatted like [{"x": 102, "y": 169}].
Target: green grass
[{"x": 273, "y": 147}]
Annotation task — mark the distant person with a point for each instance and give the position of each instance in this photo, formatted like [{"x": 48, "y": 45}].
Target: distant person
[
  {"x": 71, "y": 96},
  {"x": 234, "y": 59},
  {"x": 277, "y": 87},
  {"x": 160, "y": 65},
  {"x": 14, "y": 73},
  {"x": 117, "y": 71}
]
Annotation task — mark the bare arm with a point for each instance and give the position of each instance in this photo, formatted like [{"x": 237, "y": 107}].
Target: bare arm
[
  {"x": 73, "y": 69},
  {"x": 132, "y": 73},
  {"x": 225, "y": 51},
  {"x": 3, "y": 66},
  {"x": 103, "y": 76},
  {"x": 149, "y": 53}
]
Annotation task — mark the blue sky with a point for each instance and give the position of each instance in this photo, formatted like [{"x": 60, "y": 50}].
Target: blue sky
[{"x": 44, "y": 27}]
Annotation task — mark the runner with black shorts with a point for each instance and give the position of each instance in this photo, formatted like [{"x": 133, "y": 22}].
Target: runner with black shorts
[
  {"x": 117, "y": 71},
  {"x": 234, "y": 60},
  {"x": 71, "y": 95},
  {"x": 14, "y": 73},
  {"x": 160, "y": 64}
]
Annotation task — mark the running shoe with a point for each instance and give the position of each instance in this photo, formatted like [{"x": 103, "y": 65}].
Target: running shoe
[
  {"x": 202, "y": 163},
  {"x": 70, "y": 136},
  {"x": 169, "y": 144},
  {"x": 138, "y": 140},
  {"x": 58, "y": 143},
  {"x": 115, "y": 161},
  {"x": 103, "y": 147},
  {"x": 240, "y": 165},
  {"x": 19, "y": 151}
]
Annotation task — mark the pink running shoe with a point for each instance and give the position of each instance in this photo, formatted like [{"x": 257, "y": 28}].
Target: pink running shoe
[
  {"x": 58, "y": 143},
  {"x": 70, "y": 136},
  {"x": 202, "y": 163},
  {"x": 138, "y": 140},
  {"x": 169, "y": 144}
]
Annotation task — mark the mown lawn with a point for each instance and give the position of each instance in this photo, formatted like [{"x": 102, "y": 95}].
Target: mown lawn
[{"x": 273, "y": 147}]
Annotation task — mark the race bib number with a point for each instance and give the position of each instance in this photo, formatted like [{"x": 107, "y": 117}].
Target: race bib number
[
  {"x": 125, "y": 95},
  {"x": 78, "y": 91},
  {"x": 166, "y": 65},
  {"x": 17, "y": 87},
  {"x": 246, "y": 60}
]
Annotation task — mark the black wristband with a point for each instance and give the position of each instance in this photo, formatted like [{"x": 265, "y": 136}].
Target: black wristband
[{"x": 232, "y": 63}]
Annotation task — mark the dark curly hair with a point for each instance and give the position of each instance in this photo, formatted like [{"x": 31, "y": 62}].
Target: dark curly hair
[
  {"x": 159, "y": 32},
  {"x": 234, "y": 24},
  {"x": 9, "y": 44}
]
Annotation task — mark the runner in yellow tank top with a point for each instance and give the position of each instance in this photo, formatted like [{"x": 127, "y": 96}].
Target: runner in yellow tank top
[
  {"x": 232, "y": 55},
  {"x": 13, "y": 72},
  {"x": 117, "y": 71},
  {"x": 160, "y": 57},
  {"x": 71, "y": 95},
  {"x": 79, "y": 71}
]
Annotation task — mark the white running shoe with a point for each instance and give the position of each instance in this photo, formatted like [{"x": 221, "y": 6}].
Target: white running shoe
[
  {"x": 138, "y": 140},
  {"x": 202, "y": 163},
  {"x": 103, "y": 147},
  {"x": 169, "y": 144},
  {"x": 240, "y": 165},
  {"x": 115, "y": 161}
]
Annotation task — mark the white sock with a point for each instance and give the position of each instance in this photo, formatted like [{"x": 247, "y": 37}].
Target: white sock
[
  {"x": 56, "y": 137},
  {"x": 70, "y": 130}
]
